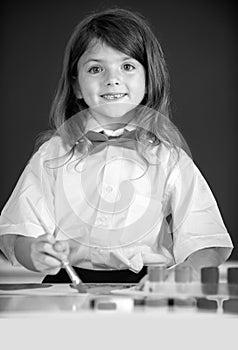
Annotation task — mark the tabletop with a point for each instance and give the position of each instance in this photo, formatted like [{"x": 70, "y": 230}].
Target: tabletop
[{"x": 115, "y": 316}]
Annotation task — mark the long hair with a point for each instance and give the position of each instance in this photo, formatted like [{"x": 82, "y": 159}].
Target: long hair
[{"x": 129, "y": 33}]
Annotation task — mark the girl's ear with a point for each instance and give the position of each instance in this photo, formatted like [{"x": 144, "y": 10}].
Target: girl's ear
[{"x": 77, "y": 90}]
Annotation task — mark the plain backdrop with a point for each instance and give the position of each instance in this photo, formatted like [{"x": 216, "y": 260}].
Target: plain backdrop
[{"x": 199, "y": 41}]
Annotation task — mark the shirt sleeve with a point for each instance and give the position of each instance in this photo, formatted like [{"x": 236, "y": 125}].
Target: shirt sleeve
[
  {"x": 196, "y": 219},
  {"x": 29, "y": 210}
]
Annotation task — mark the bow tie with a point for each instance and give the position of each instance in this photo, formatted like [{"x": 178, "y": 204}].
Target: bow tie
[{"x": 100, "y": 140}]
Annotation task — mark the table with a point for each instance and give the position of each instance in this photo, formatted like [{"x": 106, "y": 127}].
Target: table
[{"x": 58, "y": 316}]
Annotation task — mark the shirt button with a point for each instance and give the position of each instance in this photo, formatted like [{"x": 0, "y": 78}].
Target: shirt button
[
  {"x": 108, "y": 188},
  {"x": 102, "y": 221}
]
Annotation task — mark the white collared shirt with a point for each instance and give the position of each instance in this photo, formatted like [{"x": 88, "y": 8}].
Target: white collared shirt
[{"x": 114, "y": 208}]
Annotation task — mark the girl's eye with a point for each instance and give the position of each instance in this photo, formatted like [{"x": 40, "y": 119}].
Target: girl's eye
[
  {"x": 95, "y": 70},
  {"x": 128, "y": 67}
]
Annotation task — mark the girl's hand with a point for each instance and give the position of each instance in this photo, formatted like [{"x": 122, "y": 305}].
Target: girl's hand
[
  {"x": 47, "y": 253},
  {"x": 141, "y": 284}
]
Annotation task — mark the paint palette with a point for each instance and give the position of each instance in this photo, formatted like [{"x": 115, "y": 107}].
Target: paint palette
[{"x": 208, "y": 295}]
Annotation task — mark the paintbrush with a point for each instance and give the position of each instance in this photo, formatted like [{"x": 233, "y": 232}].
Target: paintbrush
[{"x": 76, "y": 281}]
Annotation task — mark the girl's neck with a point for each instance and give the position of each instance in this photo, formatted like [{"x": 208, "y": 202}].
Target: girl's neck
[
  {"x": 114, "y": 126},
  {"x": 112, "y": 123}
]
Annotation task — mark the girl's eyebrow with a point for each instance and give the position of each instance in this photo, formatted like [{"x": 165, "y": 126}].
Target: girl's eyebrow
[{"x": 92, "y": 59}]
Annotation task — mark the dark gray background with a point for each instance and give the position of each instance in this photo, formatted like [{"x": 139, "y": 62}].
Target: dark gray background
[{"x": 199, "y": 41}]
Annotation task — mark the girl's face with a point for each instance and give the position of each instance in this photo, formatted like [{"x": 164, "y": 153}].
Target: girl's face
[{"x": 110, "y": 82}]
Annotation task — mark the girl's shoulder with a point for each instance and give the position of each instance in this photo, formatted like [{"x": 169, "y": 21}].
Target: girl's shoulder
[
  {"x": 50, "y": 154},
  {"x": 54, "y": 147},
  {"x": 172, "y": 157}
]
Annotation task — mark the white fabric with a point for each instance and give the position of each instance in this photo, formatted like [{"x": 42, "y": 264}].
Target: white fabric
[
  {"x": 113, "y": 209},
  {"x": 114, "y": 133}
]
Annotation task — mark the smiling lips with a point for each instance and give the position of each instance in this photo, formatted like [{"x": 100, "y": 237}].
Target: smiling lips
[{"x": 113, "y": 96}]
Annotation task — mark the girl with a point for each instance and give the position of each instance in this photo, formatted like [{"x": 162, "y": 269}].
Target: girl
[{"x": 112, "y": 186}]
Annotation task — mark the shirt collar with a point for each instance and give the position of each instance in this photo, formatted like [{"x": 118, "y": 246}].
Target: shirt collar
[{"x": 92, "y": 124}]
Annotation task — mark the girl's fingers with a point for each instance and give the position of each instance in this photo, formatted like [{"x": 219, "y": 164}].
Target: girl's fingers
[
  {"x": 44, "y": 256},
  {"x": 45, "y": 263},
  {"x": 48, "y": 248},
  {"x": 46, "y": 259},
  {"x": 50, "y": 261},
  {"x": 141, "y": 283},
  {"x": 46, "y": 238},
  {"x": 47, "y": 253},
  {"x": 62, "y": 246},
  {"x": 52, "y": 270},
  {"x": 47, "y": 245}
]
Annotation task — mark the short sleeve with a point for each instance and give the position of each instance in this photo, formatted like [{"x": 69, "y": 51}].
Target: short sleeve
[
  {"x": 30, "y": 208},
  {"x": 196, "y": 219}
]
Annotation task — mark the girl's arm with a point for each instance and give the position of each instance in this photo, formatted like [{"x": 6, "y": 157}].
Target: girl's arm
[
  {"x": 22, "y": 249},
  {"x": 201, "y": 258},
  {"x": 200, "y": 238},
  {"x": 206, "y": 257}
]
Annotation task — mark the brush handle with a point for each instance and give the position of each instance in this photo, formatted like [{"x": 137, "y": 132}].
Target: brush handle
[{"x": 71, "y": 272}]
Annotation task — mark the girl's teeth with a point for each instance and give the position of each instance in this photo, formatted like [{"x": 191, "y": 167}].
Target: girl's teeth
[{"x": 112, "y": 97}]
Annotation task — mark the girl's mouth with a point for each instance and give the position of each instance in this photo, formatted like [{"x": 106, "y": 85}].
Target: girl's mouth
[{"x": 113, "y": 96}]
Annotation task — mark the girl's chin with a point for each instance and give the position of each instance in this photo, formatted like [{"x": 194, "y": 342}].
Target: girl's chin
[{"x": 113, "y": 111}]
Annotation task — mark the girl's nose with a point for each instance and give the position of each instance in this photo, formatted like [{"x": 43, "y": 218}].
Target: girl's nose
[
  {"x": 112, "y": 78},
  {"x": 113, "y": 82}
]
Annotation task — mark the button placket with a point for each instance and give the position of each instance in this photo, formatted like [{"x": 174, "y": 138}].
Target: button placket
[
  {"x": 110, "y": 177},
  {"x": 106, "y": 219}
]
